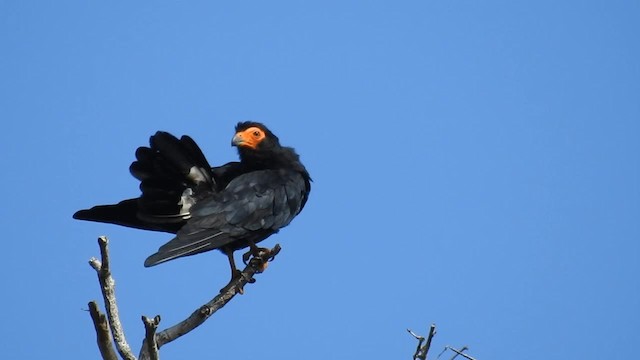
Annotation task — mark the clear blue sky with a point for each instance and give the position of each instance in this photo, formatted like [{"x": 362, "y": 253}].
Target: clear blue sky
[{"x": 476, "y": 165}]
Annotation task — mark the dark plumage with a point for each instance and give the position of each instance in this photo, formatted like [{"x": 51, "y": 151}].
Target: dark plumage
[{"x": 228, "y": 208}]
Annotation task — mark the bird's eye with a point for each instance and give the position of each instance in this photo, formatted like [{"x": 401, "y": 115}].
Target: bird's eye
[{"x": 256, "y": 133}]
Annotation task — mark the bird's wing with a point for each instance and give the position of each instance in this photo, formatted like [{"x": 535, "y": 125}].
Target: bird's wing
[
  {"x": 253, "y": 206},
  {"x": 173, "y": 173}
]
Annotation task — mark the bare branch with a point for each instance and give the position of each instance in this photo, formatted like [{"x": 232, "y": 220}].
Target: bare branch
[
  {"x": 107, "y": 286},
  {"x": 420, "y": 339},
  {"x": 421, "y": 351},
  {"x": 149, "y": 348},
  {"x": 427, "y": 346},
  {"x": 103, "y": 335},
  {"x": 460, "y": 352},
  {"x": 153, "y": 340},
  {"x": 256, "y": 265}
]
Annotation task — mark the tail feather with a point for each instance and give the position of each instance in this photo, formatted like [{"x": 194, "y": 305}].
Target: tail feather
[
  {"x": 173, "y": 173},
  {"x": 125, "y": 213},
  {"x": 195, "y": 151},
  {"x": 184, "y": 156}
]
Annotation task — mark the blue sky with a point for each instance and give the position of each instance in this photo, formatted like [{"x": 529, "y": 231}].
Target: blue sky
[{"x": 476, "y": 165}]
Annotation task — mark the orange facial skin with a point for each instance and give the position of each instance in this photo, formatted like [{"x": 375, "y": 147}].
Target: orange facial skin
[{"x": 249, "y": 138}]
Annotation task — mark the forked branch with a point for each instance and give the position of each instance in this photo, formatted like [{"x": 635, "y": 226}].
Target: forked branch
[
  {"x": 107, "y": 286},
  {"x": 154, "y": 340},
  {"x": 422, "y": 350}
]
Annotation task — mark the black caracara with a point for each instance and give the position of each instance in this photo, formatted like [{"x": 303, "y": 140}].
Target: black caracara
[{"x": 230, "y": 207}]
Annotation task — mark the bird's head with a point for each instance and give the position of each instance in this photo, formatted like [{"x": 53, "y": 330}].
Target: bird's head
[
  {"x": 253, "y": 136},
  {"x": 259, "y": 148}
]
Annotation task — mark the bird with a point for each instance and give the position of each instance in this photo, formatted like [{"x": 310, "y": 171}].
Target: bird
[{"x": 228, "y": 208}]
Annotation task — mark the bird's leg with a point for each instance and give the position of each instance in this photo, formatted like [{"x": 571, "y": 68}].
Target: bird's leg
[
  {"x": 235, "y": 273},
  {"x": 232, "y": 263}
]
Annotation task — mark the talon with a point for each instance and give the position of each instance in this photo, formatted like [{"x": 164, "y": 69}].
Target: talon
[
  {"x": 257, "y": 253},
  {"x": 246, "y": 257},
  {"x": 272, "y": 256},
  {"x": 235, "y": 274},
  {"x": 259, "y": 264},
  {"x": 240, "y": 290}
]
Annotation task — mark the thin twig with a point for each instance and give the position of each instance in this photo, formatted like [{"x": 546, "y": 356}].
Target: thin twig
[
  {"x": 103, "y": 334},
  {"x": 107, "y": 286},
  {"x": 256, "y": 265},
  {"x": 418, "y": 337},
  {"x": 461, "y": 350},
  {"x": 459, "y": 353}
]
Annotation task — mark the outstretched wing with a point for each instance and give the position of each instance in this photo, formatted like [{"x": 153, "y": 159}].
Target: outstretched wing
[{"x": 252, "y": 207}]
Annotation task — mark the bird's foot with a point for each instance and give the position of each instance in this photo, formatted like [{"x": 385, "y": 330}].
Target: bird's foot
[
  {"x": 260, "y": 254},
  {"x": 236, "y": 275}
]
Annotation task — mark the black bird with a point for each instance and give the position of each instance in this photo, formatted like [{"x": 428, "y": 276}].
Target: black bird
[{"x": 228, "y": 208}]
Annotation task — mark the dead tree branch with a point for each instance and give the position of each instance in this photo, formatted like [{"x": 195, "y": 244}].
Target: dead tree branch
[
  {"x": 420, "y": 341},
  {"x": 463, "y": 349},
  {"x": 103, "y": 334},
  {"x": 153, "y": 340},
  {"x": 150, "y": 344},
  {"x": 460, "y": 352},
  {"x": 422, "y": 350},
  {"x": 256, "y": 265},
  {"x": 107, "y": 286}
]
